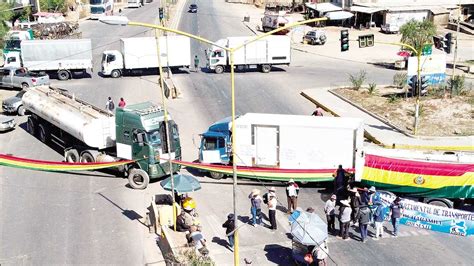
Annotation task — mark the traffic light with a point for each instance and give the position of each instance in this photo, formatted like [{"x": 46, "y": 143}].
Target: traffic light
[
  {"x": 344, "y": 40},
  {"x": 366, "y": 41},
  {"x": 446, "y": 43},
  {"x": 161, "y": 13},
  {"x": 412, "y": 82},
  {"x": 423, "y": 84}
]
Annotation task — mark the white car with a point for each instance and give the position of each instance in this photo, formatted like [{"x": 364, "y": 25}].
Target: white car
[{"x": 6, "y": 123}]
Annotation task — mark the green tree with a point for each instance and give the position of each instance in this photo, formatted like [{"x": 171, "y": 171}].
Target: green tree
[
  {"x": 53, "y": 5},
  {"x": 26, "y": 14},
  {"x": 5, "y": 15},
  {"x": 416, "y": 33}
]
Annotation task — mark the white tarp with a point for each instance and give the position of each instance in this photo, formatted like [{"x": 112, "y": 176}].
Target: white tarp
[
  {"x": 367, "y": 10},
  {"x": 339, "y": 15},
  {"x": 323, "y": 7}
]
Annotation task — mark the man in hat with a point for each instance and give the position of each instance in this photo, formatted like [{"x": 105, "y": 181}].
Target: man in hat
[
  {"x": 292, "y": 191},
  {"x": 330, "y": 210},
  {"x": 344, "y": 219},
  {"x": 229, "y": 226},
  {"x": 272, "y": 204},
  {"x": 396, "y": 210},
  {"x": 355, "y": 202},
  {"x": 256, "y": 207}
]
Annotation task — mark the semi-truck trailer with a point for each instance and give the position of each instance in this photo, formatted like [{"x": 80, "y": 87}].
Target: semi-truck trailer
[
  {"x": 138, "y": 54},
  {"x": 263, "y": 54},
  {"x": 87, "y": 133},
  {"x": 59, "y": 57},
  {"x": 286, "y": 142}
]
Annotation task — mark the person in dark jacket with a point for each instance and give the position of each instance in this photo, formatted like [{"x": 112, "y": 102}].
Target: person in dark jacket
[
  {"x": 364, "y": 218},
  {"x": 229, "y": 226},
  {"x": 396, "y": 210},
  {"x": 355, "y": 203},
  {"x": 181, "y": 225},
  {"x": 339, "y": 177}
]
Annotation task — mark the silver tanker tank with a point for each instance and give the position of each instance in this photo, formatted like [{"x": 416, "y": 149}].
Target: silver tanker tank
[{"x": 89, "y": 124}]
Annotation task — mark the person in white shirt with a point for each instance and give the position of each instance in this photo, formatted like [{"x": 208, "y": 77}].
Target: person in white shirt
[
  {"x": 292, "y": 196},
  {"x": 272, "y": 204}
]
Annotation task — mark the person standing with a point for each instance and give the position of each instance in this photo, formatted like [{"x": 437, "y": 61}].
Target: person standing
[
  {"x": 256, "y": 207},
  {"x": 363, "y": 218},
  {"x": 396, "y": 210},
  {"x": 378, "y": 218},
  {"x": 355, "y": 203},
  {"x": 292, "y": 191},
  {"x": 229, "y": 226},
  {"x": 109, "y": 105},
  {"x": 321, "y": 253},
  {"x": 330, "y": 210},
  {"x": 344, "y": 219},
  {"x": 339, "y": 177},
  {"x": 122, "y": 103},
  {"x": 272, "y": 204},
  {"x": 196, "y": 63}
]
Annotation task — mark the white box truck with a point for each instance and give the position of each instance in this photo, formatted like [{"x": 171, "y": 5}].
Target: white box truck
[
  {"x": 138, "y": 54},
  {"x": 262, "y": 54},
  {"x": 286, "y": 142},
  {"x": 62, "y": 57}
]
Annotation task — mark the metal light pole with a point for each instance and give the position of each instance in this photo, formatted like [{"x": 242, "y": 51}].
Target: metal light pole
[{"x": 455, "y": 49}]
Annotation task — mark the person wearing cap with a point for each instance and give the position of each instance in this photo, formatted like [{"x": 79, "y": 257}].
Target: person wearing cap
[
  {"x": 379, "y": 216},
  {"x": 355, "y": 203},
  {"x": 330, "y": 210},
  {"x": 292, "y": 191},
  {"x": 272, "y": 204},
  {"x": 396, "y": 210},
  {"x": 229, "y": 226},
  {"x": 344, "y": 219},
  {"x": 256, "y": 207}
]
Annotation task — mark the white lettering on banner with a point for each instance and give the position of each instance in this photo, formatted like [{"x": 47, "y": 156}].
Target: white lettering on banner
[{"x": 417, "y": 224}]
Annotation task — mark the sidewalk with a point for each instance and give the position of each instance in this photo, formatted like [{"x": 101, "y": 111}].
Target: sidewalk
[{"x": 382, "y": 133}]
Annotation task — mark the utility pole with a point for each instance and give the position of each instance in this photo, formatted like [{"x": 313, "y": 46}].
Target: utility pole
[
  {"x": 38, "y": 8},
  {"x": 455, "y": 48}
]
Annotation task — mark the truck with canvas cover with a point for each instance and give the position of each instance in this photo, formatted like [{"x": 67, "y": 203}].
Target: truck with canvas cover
[
  {"x": 262, "y": 54},
  {"x": 286, "y": 142},
  {"x": 138, "y": 54},
  {"x": 89, "y": 134},
  {"x": 59, "y": 57}
]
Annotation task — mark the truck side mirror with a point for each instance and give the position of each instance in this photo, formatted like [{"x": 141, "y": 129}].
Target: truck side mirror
[{"x": 141, "y": 139}]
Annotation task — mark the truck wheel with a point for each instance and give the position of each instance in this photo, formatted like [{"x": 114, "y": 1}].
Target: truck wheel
[
  {"x": 219, "y": 69},
  {"x": 216, "y": 175},
  {"x": 71, "y": 156},
  {"x": 21, "y": 110},
  {"x": 24, "y": 86},
  {"x": 266, "y": 68},
  {"x": 43, "y": 133},
  {"x": 86, "y": 157},
  {"x": 138, "y": 179},
  {"x": 115, "y": 73},
  {"x": 63, "y": 75},
  {"x": 31, "y": 126},
  {"x": 441, "y": 203}
]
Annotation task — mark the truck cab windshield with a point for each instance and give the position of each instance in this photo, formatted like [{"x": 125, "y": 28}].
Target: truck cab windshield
[
  {"x": 213, "y": 143},
  {"x": 154, "y": 137}
]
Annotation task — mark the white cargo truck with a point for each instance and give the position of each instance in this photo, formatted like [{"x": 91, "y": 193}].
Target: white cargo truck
[
  {"x": 138, "y": 54},
  {"x": 63, "y": 57},
  {"x": 262, "y": 54},
  {"x": 286, "y": 142}
]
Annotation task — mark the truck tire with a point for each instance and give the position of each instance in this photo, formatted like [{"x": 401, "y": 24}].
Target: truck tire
[
  {"x": 86, "y": 157},
  {"x": 63, "y": 75},
  {"x": 31, "y": 126},
  {"x": 138, "y": 179},
  {"x": 71, "y": 156},
  {"x": 24, "y": 86},
  {"x": 216, "y": 175},
  {"x": 266, "y": 68},
  {"x": 43, "y": 133},
  {"x": 21, "y": 110},
  {"x": 115, "y": 73},
  {"x": 441, "y": 203},
  {"x": 219, "y": 69}
]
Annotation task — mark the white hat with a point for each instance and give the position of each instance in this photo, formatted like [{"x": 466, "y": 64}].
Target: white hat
[
  {"x": 271, "y": 194},
  {"x": 372, "y": 188},
  {"x": 272, "y": 189},
  {"x": 345, "y": 202},
  {"x": 291, "y": 181},
  {"x": 255, "y": 192}
]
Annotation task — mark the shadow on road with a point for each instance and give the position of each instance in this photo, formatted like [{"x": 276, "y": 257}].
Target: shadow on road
[
  {"x": 278, "y": 254},
  {"x": 130, "y": 214}
]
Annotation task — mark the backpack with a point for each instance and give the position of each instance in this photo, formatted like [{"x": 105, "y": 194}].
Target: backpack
[
  {"x": 111, "y": 105},
  {"x": 265, "y": 198}
]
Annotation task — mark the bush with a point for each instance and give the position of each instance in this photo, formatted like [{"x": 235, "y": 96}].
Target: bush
[
  {"x": 400, "y": 79},
  {"x": 457, "y": 84},
  {"x": 372, "y": 88},
  {"x": 358, "y": 80},
  {"x": 392, "y": 98}
]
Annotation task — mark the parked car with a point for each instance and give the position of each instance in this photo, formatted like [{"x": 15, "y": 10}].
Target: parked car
[
  {"x": 19, "y": 77},
  {"x": 193, "y": 8},
  {"x": 390, "y": 28},
  {"x": 6, "y": 123},
  {"x": 14, "y": 104},
  {"x": 315, "y": 37}
]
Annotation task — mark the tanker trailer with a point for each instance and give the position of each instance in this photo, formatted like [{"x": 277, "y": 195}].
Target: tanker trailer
[{"x": 87, "y": 133}]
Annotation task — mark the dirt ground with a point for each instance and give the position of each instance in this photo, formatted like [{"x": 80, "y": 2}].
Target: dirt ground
[{"x": 439, "y": 116}]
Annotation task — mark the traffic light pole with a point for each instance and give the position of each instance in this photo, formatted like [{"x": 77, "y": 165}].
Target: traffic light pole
[{"x": 455, "y": 49}]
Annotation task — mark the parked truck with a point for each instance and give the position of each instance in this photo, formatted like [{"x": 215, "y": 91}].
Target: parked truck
[
  {"x": 62, "y": 57},
  {"x": 138, "y": 54},
  {"x": 14, "y": 38},
  {"x": 87, "y": 133},
  {"x": 286, "y": 142},
  {"x": 273, "y": 20},
  {"x": 18, "y": 77},
  {"x": 262, "y": 54}
]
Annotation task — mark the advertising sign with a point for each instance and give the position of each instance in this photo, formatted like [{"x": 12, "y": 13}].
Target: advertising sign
[
  {"x": 433, "y": 68},
  {"x": 435, "y": 218}
]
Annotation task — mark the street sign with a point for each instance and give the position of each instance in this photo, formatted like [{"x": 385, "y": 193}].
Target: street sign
[{"x": 427, "y": 49}]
